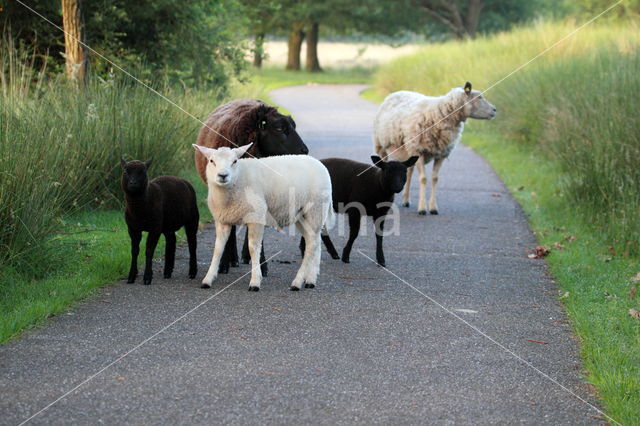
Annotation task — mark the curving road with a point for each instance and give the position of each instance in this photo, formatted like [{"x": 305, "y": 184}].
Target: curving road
[{"x": 441, "y": 338}]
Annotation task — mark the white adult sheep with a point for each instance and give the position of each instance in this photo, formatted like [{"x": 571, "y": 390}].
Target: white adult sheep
[
  {"x": 272, "y": 191},
  {"x": 410, "y": 123}
]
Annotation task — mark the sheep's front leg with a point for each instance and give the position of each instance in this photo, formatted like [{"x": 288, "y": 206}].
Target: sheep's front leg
[
  {"x": 255, "y": 231},
  {"x": 306, "y": 271},
  {"x": 433, "y": 205},
  {"x": 422, "y": 202},
  {"x": 378, "y": 222},
  {"x": 152, "y": 242},
  {"x": 222, "y": 235},
  {"x": 136, "y": 237},
  {"x": 407, "y": 188}
]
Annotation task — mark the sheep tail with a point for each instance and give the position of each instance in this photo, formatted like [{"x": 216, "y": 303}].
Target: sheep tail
[{"x": 331, "y": 217}]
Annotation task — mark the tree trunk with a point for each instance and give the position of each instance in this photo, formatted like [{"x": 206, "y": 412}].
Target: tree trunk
[
  {"x": 296, "y": 37},
  {"x": 473, "y": 16},
  {"x": 258, "y": 50},
  {"x": 76, "y": 55},
  {"x": 313, "y": 64}
]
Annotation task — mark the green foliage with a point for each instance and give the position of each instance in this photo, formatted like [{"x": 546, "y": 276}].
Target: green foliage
[
  {"x": 197, "y": 43},
  {"x": 60, "y": 147}
]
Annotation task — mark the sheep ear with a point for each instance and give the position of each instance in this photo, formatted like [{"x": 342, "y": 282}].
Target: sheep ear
[
  {"x": 203, "y": 150},
  {"x": 467, "y": 88},
  {"x": 242, "y": 150},
  {"x": 123, "y": 162},
  {"x": 411, "y": 161},
  {"x": 378, "y": 161},
  {"x": 147, "y": 163}
]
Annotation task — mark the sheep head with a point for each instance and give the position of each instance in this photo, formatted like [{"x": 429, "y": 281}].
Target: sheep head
[
  {"x": 394, "y": 173},
  {"x": 476, "y": 105},
  {"x": 134, "y": 175},
  {"x": 222, "y": 163}
]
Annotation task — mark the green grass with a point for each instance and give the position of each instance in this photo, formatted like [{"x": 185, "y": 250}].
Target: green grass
[
  {"x": 566, "y": 144},
  {"x": 594, "y": 283}
]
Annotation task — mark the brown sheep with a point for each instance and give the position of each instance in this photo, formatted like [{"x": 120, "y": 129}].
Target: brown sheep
[{"x": 241, "y": 122}]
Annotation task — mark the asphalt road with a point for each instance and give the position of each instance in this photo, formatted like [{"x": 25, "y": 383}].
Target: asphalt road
[{"x": 447, "y": 335}]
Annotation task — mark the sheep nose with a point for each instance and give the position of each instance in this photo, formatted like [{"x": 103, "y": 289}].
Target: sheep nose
[
  {"x": 304, "y": 150},
  {"x": 223, "y": 176}
]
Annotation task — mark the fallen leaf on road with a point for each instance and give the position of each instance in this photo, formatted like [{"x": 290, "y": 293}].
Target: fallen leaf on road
[
  {"x": 539, "y": 252},
  {"x": 538, "y": 341},
  {"x": 533, "y": 403},
  {"x": 120, "y": 379},
  {"x": 634, "y": 313},
  {"x": 636, "y": 277}
]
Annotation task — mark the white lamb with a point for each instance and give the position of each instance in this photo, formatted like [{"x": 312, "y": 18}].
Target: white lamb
[
  {"x": 409, "y": 123},
  {"x": 272, "y": 191}
]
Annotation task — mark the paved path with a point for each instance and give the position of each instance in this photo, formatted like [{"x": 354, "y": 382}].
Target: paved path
[{"x": 363, "y": 347}]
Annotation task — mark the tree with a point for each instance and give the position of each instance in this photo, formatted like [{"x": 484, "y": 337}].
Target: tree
[
  {"x": 313, "y": 63},
  {"x": 75, "y": 53},
  {"x": 294, "y": 45},
  {"x": 461, "y": 17}
]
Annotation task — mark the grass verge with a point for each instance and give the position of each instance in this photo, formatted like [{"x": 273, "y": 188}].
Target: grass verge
[{"x": 595, "y": 285}]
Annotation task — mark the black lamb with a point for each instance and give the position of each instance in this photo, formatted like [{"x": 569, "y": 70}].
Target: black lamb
[
  {"x": 161, "y": 206},
  {"x": 362, "y": 190}
]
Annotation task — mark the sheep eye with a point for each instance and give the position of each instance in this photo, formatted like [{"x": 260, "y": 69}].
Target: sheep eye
[
  {"x": 279, "y": 129},
  {"x": 211, "y": 161}
]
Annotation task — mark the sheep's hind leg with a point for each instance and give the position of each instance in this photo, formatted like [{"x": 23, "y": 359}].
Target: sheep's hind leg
[
  {"x": 407, "y": 188},
  {"x": 230, "y": 251},
  {"x": 191, "y": 230},
  {"x": 433, "y": 205},
  {"x": 136, "y": 237},
  {"x": 246, "y": 257},
  {"x": 222, "y": 235},
  {"x": 378, "y": 223},
  {"x": 354, "y": 229},
  {"x": 422, "y": 202},
  {"x": 152, "y": 242},
  {"x": 255, "y": 233},
  {"x": 169, "y": 253},
  {"x": 329, "y": 244}
]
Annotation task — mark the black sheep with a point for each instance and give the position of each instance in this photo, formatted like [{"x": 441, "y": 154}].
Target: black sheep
[
  {"x": 362, "y": 190},
  {"x": 161, "y": 206}
]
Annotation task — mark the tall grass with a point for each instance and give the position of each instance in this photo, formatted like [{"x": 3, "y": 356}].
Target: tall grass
[
  {"x": 60, "y": 147},
  {"x": 575, "y": 104}
]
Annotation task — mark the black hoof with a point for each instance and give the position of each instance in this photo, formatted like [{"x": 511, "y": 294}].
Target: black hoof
[
  {"x": 405, "y": 204},
  {"x": 245, "y": 260},
  {"x": 147, "y": 282},
  {"x": 292, "y": 288},
  {"x": 131, "y": 280},
  {"x": 264, "y": 269},
  {"x": 382, "y": 264},
  {"x": 307, "y": 285},
  {"x": 335, "y": 256},
  {"x": 167, "y": 276},
  {"x": 433, "y": 211},
  {"x": 223, "y": 269},
  {"x": 205, "y": 286},
  {"x": 345, "y": 260},
  {"x": 235, "y": 264},
  {"x": 254, "y": 288},
  {"x": 192, "y": 274},
  {"x": 422, "y": 212}
]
